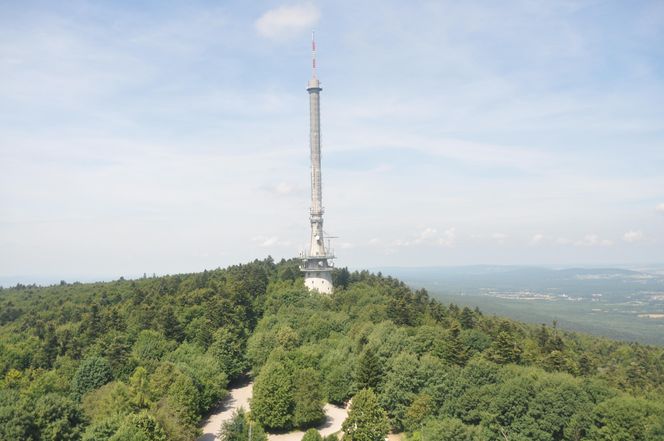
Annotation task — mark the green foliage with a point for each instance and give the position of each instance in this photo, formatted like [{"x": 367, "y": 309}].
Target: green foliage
[
  {"x": 204, "y": 371},
  {"x": 474, "y": 341},
  {"x": 339, "y": 383},
  {"x": 369, "y": 371},
  {"x": 419, "y": 410},
  {"x": 260, "y": 346},
  {"x": 240, "y": 428},
  {"x": 184, "y": 394},
  {"x": 170, "y": 325},
  {"x": 151, "y": 345},
  {"x": 37, "y": 383},
  {"x": 467, "y": 318},
  {"x": 505, "y": 349},
  {"x": 175, "y": 422},
  {"x": 140, "y": 387},
  {"x": 102, "y": 430},
  {"x": 400, "y": 387},
  {"x": 366, "y": 421},
  {"x": 57, "y": 418},
  {"x": 627, "y": 419},
  {"x": 199, "y": 330},
  {"x": 308, "y": 399},
  {"x": 91, "y": 374},
  {"x": 312, "y": 435},
  {"x": 228, "y": 348},
  {"x": 116, "y": 349},
  {"x": 447, "y": 429},
  {"x": 451, "y": 348},
  {"x": 140, "y": 427},
  {"x": 112, "y": 399},
  {"x": 272, "y": 403},
  {"x": 172, "y": 343},
  {"x": 130, "y": 331},
  {"x": 16, "y": 422}
]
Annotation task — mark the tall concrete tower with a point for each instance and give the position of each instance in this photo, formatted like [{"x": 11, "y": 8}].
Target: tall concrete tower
[{"x": 316, "y": 262}]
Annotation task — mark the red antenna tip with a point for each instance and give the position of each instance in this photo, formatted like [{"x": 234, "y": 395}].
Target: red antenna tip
[{"x": 313, "y": 53}]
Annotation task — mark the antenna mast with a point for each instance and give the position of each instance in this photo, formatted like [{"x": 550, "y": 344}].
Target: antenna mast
[{"x": 313, "y": 54}]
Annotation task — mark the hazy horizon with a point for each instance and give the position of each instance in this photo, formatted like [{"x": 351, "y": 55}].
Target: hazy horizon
[
  {"x": 169, "y": 138},
  {"x": 8, "y": 281}
]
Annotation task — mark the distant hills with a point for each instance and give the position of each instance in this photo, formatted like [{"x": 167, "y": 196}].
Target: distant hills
[{"x": 616, "y": 302}]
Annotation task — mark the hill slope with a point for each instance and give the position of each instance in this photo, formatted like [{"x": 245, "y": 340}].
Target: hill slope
[{"x": 145, "y": 359}]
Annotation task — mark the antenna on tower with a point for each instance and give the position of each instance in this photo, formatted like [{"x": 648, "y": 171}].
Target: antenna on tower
[{"x": 313, "y": 53}]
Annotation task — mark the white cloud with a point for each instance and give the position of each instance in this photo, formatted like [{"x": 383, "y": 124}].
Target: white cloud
[
  {"x": 499, "y": 237},
  {"x": 494, "y": 155},
  {"x": 448, "y": 238},
  {"x": 283, "y": 188},
  {"x": 429, "y": 236},
  {"x": 483, "y": 238},
  {"x": 660, "y": 208},
  {"x": 270, "y": 242},
  {"x": 426, "y": 234},
  {"x": 287, "y": 21},
  {"x": 632, "y": 236},
  {"x": 536, "y": 239},
  {"x": 593, "y": 240}
]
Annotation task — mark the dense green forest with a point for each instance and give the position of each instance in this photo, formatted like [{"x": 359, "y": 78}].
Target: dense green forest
[{"x": 146, "y": 359}]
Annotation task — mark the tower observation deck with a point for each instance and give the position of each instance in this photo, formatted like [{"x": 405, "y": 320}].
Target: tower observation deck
[{"x": 316, "y": 261}]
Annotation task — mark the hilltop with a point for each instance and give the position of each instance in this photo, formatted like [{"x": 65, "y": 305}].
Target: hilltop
[{"x": 146, "y": 359}]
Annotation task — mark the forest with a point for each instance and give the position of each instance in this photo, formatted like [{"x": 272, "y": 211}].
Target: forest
[{"x": 146, "y": 360}]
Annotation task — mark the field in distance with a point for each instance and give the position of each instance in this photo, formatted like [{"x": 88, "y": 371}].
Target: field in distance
[{"x": 624, "y": 304}]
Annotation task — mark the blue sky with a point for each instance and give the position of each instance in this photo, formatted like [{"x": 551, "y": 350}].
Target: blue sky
[{"x": 172, "y": 136}]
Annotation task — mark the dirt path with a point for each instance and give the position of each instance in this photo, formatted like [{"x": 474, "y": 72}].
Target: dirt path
[
  {"x": 334, "y": 418},
  {"x": 239, "y": 397},
  {"x": 236, "y": 398}
]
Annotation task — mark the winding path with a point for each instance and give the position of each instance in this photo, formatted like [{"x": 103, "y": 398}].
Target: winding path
[{"x": 239, "y": 397}]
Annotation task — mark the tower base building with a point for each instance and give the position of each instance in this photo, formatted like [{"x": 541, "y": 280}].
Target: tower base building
[{"x": 318, "y": 280}]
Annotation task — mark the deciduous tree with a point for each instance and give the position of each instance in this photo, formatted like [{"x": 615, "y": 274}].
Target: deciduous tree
[
  {"x": 92, "y": 373},
  {"x": 58, "y": 418},
  {"x": 272, "y": 403},
  {"x": 312, "y": 435},
  {"x": 308, "y": 399},
  {"x": 366, "y": 421},
  {"x": 240, "y": 428}
]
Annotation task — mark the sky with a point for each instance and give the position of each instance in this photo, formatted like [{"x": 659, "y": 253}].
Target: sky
[{"x": 167, "y": 137}]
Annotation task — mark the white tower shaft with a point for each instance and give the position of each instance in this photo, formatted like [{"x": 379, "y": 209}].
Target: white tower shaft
[
  {"x": 315, "y": 264},
  {"x": 317, "y": 247}
]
